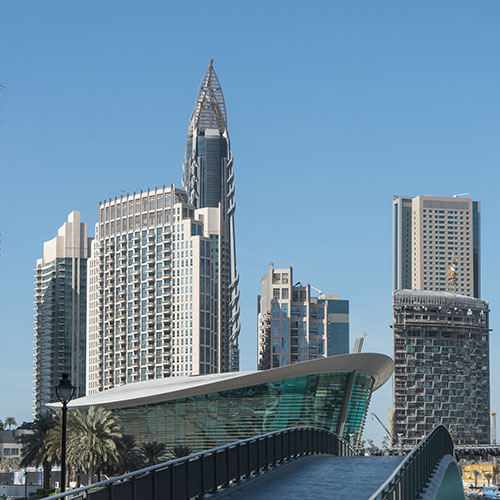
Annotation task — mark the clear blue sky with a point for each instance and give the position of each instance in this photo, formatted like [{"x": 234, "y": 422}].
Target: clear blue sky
[{"x": 333, "y": 107}]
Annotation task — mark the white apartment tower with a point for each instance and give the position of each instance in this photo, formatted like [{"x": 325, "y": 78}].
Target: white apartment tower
[
  {"x": 153, "y": 289},
  {"x": 60, "y": 312},
  {"x": 431, "y": 235}
]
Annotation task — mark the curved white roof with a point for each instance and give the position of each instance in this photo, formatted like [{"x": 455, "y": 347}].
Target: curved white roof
[{"x": 379, "y": 366}]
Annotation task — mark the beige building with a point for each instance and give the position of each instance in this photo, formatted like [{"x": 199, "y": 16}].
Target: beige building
[
  {"x": 153, "y": 288},
  {"x": 60, "y": 312},
  {"x": 434, "y": 237}
]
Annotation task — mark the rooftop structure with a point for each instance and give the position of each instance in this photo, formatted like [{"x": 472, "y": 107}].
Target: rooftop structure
[
  {"x": 441, "y": 375},
  {"x": 211, "y": 410}
]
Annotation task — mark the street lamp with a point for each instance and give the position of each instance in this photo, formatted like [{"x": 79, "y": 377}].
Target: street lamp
[{"x": 65, "y": 392}]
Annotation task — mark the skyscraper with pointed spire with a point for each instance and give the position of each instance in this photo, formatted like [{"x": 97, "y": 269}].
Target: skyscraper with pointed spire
[{"x": 208, "y": 179}]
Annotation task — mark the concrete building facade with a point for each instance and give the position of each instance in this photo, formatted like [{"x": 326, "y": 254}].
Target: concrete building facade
[
  {"x": 153, "y": 290},
  {"x": 208, "y": 179},
  {"x": 61, "y": 312},
  {"x": 430, "y": 235},
  {"x": 295, "y": 326},
  {"x": 441, "y": 374}
]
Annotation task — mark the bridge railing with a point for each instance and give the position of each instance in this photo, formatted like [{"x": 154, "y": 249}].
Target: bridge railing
[
  {"x": 414, "y": 471},
  {"x": 205, "y": 472}
]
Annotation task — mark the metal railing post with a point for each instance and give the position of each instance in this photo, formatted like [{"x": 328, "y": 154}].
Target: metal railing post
[
  {"x": 202, "y": 477},
  {"x": 238, "y": 462}
]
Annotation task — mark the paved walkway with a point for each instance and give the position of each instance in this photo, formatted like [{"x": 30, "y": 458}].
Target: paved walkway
[{"x": 317, "y": 477}]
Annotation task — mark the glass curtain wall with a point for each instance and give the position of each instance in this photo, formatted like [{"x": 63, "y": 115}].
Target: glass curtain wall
[{"x": 209, "y": 420}]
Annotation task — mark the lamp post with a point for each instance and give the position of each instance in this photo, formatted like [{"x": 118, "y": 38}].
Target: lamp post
[{"x": 65, "y": 392}]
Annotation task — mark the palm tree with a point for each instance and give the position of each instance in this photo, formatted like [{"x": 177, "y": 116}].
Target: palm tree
[
  {"x": 180, "y": 450},
  {"x": 1, "y": 425},
  {"x": 34, "y": 446},
  {"x": 153, "y": 453},
  {"x": 476, "y": 475},
  {"x": 9, "y": 422},
  {"x": 129, "y": 457},
  {"x": 92, "y": 441},
  {"x": 488, "y": 476}
]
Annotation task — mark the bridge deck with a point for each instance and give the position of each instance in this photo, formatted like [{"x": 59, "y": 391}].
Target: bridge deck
[{"x": 318, "y": 477}]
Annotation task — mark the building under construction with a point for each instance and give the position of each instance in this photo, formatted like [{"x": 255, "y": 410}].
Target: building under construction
[{"x": 441, "y": 375}]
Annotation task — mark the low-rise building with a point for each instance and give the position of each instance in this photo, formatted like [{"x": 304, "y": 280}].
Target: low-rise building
[{"x": 212, "y": 410}]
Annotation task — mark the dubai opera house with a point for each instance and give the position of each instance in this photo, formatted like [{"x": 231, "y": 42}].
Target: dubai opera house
[{"x": 205, "y": 411}]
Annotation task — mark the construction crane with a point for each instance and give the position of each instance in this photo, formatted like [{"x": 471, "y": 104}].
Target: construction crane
[
  {"x": 382, "y": 424},
  {"x": 493, "y": 427},
  {"x": 358, "y": 344},
  {"x": 452, "y": 276}
]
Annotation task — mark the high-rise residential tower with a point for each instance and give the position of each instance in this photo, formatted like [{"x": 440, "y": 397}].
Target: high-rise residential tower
[
  {"x": 441, "y": 373},
  {"x": 60, "y": 312},
  {"x": 208, "y": 179},
  {"x": 431, "y": 235},
  {"x": 153, "y": 288},
  {"x": 295, "y": 326}
]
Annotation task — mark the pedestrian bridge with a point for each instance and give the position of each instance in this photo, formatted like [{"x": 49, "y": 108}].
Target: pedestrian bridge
[
  {"x": 300, "y": 462},
  {"x": 318, "y": 477}
]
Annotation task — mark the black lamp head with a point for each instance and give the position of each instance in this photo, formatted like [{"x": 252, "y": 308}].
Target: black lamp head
[{"x": 64, "y": 390}]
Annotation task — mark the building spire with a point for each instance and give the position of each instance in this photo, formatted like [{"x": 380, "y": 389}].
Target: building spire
[{"x": 210, "y": 108}]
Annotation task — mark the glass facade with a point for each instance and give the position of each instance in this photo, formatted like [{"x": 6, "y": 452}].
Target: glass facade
[
  {"x": 218, "y": 418},
  {"x": 209, "y": 182}
]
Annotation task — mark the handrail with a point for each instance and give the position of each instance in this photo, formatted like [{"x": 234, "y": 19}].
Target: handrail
[
  {"x": 241, "y": 459},
  {"x": 412, "y": 473}
]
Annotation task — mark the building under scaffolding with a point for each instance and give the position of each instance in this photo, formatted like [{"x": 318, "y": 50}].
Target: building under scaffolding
[{"x": 441, "y": 376}]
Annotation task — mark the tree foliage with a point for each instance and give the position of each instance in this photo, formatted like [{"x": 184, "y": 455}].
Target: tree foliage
[
  {"x": 180, "y": 451},
  {"x": 10, "y": 422},
  {"x": 34, "y": 445},
  {"x": 92, "y": 439},
  {"x": 153, "y": 453}
]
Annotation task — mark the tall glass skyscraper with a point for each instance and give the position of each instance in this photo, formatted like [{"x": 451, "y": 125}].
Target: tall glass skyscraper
[
  {"x": 61, "y": 312},
  {"x": 208, "y": 179}
]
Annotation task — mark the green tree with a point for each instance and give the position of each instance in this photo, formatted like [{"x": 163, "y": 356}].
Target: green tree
[
  {"x": 488, "y": 476},
  {"x": 9, "y": 422},
  {"x": 92, "y": 441},
  {"x": 1, "y": 426},
  {"x": 9, "y": 464},
  {"x": 34, "y": 446},
  {"x": 129, "y": 457},
  {"x": 180, "y": 451},
  {"x": 153, "y": 453}
]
